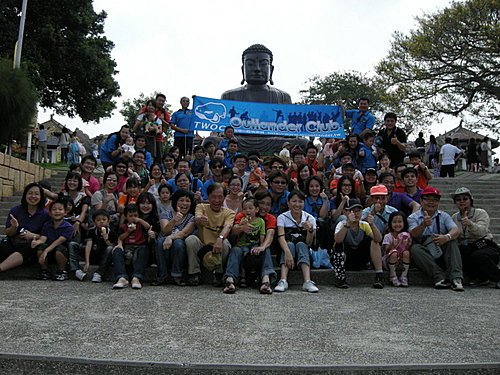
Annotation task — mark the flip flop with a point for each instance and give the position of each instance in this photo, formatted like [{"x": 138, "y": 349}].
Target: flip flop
[
  {"x": 229, "y": 288},
  {"x": 265, "y": 288}
]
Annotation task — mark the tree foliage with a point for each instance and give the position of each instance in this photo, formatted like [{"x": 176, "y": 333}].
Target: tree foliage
[
  {"x": 18, "y": 100},
  {"x": 350, "y": 86},
  {"x": 66, "y": 55},
  {"x": 450, "y": 64}
]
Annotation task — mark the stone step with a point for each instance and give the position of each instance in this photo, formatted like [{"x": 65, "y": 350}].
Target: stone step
[
  {"x": 320, "y": 276},
  {"x": 14, "y": 364}
]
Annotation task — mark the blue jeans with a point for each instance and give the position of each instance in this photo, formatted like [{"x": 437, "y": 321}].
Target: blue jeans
[
  {"x": 140, "y": 257},
  {"x": 235, "y": 259},
  {"x": 300, "y": 253},
  {"x": 175, "y": 257}
]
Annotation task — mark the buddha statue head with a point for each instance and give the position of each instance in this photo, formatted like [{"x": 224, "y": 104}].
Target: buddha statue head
[{"x": 257, "y": 65}]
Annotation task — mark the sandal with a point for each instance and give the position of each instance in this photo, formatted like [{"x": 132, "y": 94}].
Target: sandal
[
  {"x": 229, "y": 288},
  {"x": 265, "y": 288},
  {"x": 179, "y": 282}
]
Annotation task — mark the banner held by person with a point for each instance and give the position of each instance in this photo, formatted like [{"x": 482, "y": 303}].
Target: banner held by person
[{"x": 214, "y": 115}]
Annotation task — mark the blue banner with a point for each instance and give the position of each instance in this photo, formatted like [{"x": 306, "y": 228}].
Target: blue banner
[{"x": 324, "y": 121}]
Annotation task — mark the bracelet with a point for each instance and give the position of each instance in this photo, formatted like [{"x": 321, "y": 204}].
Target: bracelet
[{"x": 449, "y": 236}]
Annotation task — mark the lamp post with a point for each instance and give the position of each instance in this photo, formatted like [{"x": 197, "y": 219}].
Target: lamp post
[{"x": 17, "y": 63}]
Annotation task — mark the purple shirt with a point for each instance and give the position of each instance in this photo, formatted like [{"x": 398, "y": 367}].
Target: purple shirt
[
  {"x": 401, "y": 201},
  {"x": 33, "y": 223},
  {"x": 64, "y": 229},
  {"x": 417, "y": 195}
]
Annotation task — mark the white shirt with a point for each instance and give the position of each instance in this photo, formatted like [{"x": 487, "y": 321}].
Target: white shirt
[
  {"x": 286, "y": 220},
  {"x": 448, "y": 153}
]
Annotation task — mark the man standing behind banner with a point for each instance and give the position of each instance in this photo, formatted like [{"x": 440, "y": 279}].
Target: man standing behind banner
[
  {"x": 183, "y": 137},
  {"x": 361, "y": 118}
]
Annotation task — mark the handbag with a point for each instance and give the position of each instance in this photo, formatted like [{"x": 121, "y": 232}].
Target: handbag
[{"x": 320, "y": 259}]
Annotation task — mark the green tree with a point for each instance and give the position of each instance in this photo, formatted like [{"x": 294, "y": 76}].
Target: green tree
[
  {"x": 450, "y": 64},
  {"x": 66, "y": 55},
  {"x": 18, "y": 100}
]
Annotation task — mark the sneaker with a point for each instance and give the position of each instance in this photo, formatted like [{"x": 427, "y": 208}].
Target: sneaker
[
  {"x": 96, "y": 278},
  {"x": 394, "y": 280},
  {"x": 403, "y": 281},
  {"x": 193, "y": 280},
  {"x": 341, "y": 284},
  {"x": 457, "y": 286},
  {"x": 136, "y": 283},
  {"x": 282, "y": 286},
  {"x": 379, "y": 281},
  {"x": 442, "y": 284},
  {"x": 43, "y": 275},
  {"x": 61, "y": 276},
  {"x": 310, "y": 287},
  {"x": 218, "y": 279},
  {"x": 121, "y": 283},
  {"x": 80, "y": 275}
]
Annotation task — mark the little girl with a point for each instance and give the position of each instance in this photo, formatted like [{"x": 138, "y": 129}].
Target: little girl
[
  {"x": 164, "y": 203},
  {"x": 397, "y": 248}
]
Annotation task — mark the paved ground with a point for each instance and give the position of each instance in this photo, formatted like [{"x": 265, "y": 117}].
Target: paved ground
[{"x": 201, "y": 325}]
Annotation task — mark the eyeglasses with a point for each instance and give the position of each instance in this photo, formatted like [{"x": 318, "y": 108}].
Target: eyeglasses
[
  {"x": 111, "y": 179},
  {"x": 279, "y": 182},
  {"x": 277, "y": 167}
]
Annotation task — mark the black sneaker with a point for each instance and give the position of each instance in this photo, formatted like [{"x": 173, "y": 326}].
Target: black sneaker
[
  {"x": 379, "y": 281},
  {"x": 218, "y": 277},
  {"x": 61, "y": 276},
  {"x": 193, "y": 280},
  {"x": 341, "y": 284},
  {"x": 43, "y": 275}
]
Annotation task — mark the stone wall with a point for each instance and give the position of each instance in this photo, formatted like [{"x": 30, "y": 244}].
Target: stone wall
[{"x": 15, "y": 174}]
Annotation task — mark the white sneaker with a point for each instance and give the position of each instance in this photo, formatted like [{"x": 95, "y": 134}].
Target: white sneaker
[
  {"x": 80, "y": 275},
  {"x": 456, "y": 285},
  {"x": 96, "y": 278},
  {"x": 310, "y": 287},
  {"x": 121, "y": 283},
  {"x": 136, "y": 283},
  {"x": 282, "y": 286}
]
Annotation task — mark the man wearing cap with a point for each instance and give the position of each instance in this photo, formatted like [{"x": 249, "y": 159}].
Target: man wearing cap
[
  {"x": 357, "y": 242},
  {"x": 480, "y": 254},
  {"x": 214, "y": 224},
  {"x": 409, "y": 177},
  {"x": 435, "y": 235},
  {"x": 379, "y": 209},
  {"x": 397, "y": 200}
]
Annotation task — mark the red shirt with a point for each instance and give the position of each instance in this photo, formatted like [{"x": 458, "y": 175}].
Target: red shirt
[{"x": 399, "y": 187}]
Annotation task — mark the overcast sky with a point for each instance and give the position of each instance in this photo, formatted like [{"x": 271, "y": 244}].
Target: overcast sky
[{"x": 194, "y": 47}]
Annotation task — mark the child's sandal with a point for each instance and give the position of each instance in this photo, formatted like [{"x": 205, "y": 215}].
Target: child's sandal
[
  {"x": 229, "y": 288},
  {"x": 265, "y": 288}
]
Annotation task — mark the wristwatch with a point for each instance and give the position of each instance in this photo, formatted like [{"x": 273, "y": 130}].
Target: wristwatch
[{"x": 221, "y": 237}]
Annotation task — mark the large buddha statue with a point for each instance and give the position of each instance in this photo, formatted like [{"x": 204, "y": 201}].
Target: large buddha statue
[{"x": 257, "y": 71}]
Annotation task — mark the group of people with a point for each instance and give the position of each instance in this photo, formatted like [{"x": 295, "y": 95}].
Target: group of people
[{"x": 363, "y": 200}]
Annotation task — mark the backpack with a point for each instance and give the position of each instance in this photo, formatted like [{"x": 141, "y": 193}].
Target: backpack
[{"x": 81, "y": 149}]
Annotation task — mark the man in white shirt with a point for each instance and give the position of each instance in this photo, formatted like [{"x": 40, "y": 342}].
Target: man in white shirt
[{"x": 448, "y": 155}]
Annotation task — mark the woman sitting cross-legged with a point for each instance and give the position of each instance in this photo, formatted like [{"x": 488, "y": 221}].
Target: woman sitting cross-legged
[
  {"x": 24, "y": 224},
  {"x": 480, "y": 255},
  {"x": 175, "y": 225},
  {"x": 296, "y": 231}
]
